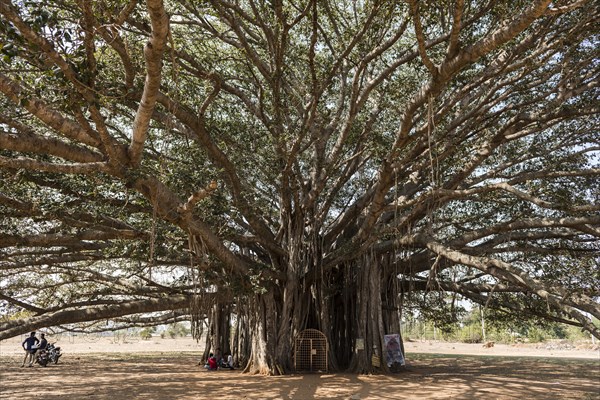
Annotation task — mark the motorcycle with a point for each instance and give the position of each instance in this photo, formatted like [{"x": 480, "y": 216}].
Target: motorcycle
[
  {"x": 50, "y": 354},
  {"x": 53, "y": 353},
  {"x": 41, "y": 357}
]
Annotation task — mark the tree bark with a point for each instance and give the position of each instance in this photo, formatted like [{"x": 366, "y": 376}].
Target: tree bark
[{"x": 16, "y": 327}]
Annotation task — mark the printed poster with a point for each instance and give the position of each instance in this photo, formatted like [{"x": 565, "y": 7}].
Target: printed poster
[{"x": 393, "y": 353}]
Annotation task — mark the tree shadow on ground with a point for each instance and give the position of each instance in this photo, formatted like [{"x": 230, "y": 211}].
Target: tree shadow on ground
[{"x": 426, "y": 377}]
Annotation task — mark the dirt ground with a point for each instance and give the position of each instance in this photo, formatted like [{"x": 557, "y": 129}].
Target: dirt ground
[{"x": 103, "y": 368}]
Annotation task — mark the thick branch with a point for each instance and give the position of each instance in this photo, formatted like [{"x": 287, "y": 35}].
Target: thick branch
[
  {"x": 20, "y": 326},
  {"x": 153, "y": 53}
]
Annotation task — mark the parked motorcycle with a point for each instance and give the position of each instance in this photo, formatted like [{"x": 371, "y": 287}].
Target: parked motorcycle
[
  {"x": 41, "y": 357},
  {"x": 50, "y": 354},
  {"x": 53, "y": 353}
]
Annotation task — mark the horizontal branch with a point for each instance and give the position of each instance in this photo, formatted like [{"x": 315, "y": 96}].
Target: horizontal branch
[
  {"x": 64, "y": 168},
  {"x": 62, "y": 317},
  {"x": 28, "y": 142},
  {"x": 44, "y": 113}
]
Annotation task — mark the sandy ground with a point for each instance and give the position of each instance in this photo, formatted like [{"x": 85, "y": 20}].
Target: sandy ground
[
  {"x": 85, "y": 344},
  {"x": 547, "y": 349},
  {"x": 93, "y": 368}
]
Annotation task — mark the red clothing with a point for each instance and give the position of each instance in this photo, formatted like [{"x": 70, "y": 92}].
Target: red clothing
[{"x": 212, "y": 363}]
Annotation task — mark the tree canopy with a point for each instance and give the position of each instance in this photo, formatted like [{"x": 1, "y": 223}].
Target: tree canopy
[{"x": 297, "y": 164}]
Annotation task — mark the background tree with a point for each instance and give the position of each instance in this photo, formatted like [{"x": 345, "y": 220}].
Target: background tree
[{"x": 297, "y": 164}]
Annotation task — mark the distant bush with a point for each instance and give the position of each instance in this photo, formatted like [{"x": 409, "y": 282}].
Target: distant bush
[
  {"x": 503, "y": 336},
  {"x": 536, "y": 335},
  {"x": 470, "y": 330},
  {"x": 176, "y": 330},
  {"x": 146, "y": 333},
  {"x": 470, "y": 337}
]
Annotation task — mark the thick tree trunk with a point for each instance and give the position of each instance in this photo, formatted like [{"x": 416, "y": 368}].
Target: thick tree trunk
[
  {"x": 223, "y": 327},
  {"x": 241, "y": 340},
  {"x": 372, "y": 321},
  {"x": 286, "y": 325},
  {"x": 263, "y": 342},
  {"x": 349, "y": 303}
]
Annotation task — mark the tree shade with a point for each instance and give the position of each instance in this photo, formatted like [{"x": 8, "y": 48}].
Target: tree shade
[{"x": 273, "y": 166}]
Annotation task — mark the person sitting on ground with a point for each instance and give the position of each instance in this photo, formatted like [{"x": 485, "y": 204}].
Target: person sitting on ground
[
  {"x": 30, "y": 348},
  {"x": 211, "y": 363},
  {"x": 218, "y": 356},
  {"x": 227, "y": 361}
]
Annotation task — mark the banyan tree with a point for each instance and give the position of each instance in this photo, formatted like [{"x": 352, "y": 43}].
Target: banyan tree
[{"x": 271, "y": 166}]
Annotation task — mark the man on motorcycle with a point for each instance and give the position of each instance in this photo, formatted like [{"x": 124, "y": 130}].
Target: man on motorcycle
[
  {"x": 30, "y": 349},
  {"x": 43, "y": 344}
]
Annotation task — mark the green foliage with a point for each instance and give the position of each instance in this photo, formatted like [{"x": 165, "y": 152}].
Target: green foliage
[
  {"x": 332, "y": 141},
  {"x": 468, "y": 329},
  {"x": 8, "y": 313},
  {"x": 536, "y": 335},
  {"x": 436, "y": 310},
  {"x": 146, "y": 333},
  {"x": 177, "y": 330}
]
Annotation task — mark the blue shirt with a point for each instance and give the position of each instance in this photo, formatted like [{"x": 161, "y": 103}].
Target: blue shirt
[{"x": 30, "y": 341}]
